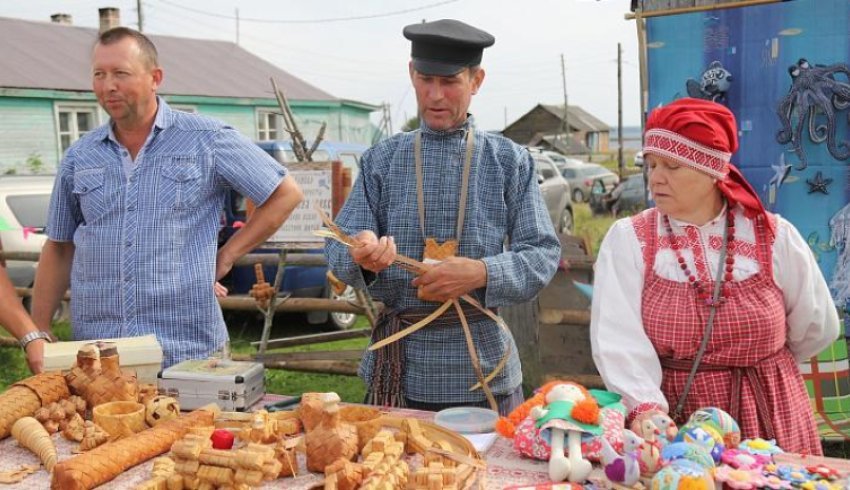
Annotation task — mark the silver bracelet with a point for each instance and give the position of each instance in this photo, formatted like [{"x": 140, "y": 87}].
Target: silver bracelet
[{"x": 38, "y": 334}]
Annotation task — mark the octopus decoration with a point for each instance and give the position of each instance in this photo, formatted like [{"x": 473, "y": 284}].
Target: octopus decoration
[{"x": 815, "y": 94}]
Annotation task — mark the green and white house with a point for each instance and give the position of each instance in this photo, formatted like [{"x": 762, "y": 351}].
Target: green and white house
[{"x": 46, "y": 101}]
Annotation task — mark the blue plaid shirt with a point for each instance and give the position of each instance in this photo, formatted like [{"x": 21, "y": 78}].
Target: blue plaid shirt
[
  {"x": 146, "y": 236},
  {"x": 504, "y": 201}
]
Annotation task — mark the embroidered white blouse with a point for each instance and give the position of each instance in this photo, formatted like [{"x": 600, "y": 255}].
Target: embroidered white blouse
[{"x": 621, "y": 349}]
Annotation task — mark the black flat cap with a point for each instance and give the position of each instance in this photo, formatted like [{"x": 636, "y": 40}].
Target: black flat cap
[{"x": 445, "y": 47}]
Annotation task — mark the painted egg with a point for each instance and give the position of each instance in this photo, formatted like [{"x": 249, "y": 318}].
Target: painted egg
[
  {"x": 682, "y": 474},
  {"x": 704, "y": 435},
  {"x": 722, "y": 422},
  {"x": 688, "y": 451}
]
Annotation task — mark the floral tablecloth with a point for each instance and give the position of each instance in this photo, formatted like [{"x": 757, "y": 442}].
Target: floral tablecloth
[{"x": 505, "y": 467}]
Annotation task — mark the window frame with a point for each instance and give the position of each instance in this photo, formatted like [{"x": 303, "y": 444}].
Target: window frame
[
  {"x": 73, "y": 108},
  {"x": 262, "y": 116}
]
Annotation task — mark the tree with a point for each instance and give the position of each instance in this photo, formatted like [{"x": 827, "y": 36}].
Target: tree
[{"x": 411, "y": 124}]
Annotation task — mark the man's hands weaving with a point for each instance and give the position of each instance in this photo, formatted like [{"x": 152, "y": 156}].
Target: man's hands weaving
[
  {"x": 373, "y": 254},
  {"x": 451, "y": 279}
]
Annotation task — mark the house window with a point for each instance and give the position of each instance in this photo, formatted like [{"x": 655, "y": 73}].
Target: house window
[
  {"x": 268, "y": 126},
  {"x": 73, "y": 122}
]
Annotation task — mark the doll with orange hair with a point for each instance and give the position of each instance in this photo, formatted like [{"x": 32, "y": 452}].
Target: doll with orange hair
[{"x": 570, "y": 411}]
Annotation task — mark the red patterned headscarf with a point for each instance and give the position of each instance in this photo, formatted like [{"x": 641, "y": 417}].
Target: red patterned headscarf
[{"x": 703, "y": 135}]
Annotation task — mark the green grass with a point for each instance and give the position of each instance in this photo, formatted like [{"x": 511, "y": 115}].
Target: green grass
[{"x": 591, "y": 227}]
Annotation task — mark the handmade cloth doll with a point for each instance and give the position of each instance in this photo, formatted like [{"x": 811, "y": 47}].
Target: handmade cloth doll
[{"x": 527, "y": 440}]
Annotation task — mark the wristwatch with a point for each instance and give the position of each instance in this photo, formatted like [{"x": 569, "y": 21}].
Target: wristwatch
[{"x": 38, "y": 334}]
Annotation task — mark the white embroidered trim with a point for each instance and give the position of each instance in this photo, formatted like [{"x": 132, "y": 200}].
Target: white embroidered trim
[{"x": 687, "y": 152}]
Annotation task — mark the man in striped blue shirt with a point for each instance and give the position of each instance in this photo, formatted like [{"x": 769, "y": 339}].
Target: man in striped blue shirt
[
  {"x": 449, "y": 182},
  {"x": 135, "y": 212}
]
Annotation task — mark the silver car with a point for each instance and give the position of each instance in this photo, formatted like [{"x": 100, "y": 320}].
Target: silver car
[
  {"x": 556, "y": 193},
  {"x": 24, "y": 201},
  {"x": 581, "y": 178}
]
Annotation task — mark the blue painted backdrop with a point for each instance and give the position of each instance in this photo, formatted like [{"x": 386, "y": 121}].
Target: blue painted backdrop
[{"x": 757, "y": 45}]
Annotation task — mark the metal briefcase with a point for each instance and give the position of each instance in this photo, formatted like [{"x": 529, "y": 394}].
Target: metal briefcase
[{"x": 233, "y": 385}]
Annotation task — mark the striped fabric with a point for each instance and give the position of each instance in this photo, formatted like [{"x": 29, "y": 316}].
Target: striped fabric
[
  {"x": 146, "y": 242},
  {"x": 828, "y": 383},
  {"x": 504, "y": 201}
]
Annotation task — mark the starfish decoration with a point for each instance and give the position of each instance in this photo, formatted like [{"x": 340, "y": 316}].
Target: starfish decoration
[
  {"x": 818, "y": 184},
  {"x": 780, "y": 172}
]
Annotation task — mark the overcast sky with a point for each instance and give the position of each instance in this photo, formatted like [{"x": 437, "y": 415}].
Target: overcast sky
[{"x": 366, "y": 59}]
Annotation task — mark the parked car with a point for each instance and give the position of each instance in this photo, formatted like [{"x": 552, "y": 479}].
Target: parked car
[
  {"x": 24, "y": 201},
  {"x": 582, "y": 177},
  {"x": 556, "y": 193},
  {"x": 298, "y": 281},
  {"x": 630, "y": 195},
  {"x": 639, "y": 159},
  {"x": 558, "y": 159}
]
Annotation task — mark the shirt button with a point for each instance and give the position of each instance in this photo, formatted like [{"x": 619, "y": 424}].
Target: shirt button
[
  {"x": 83, "y": 189},
  {"x": 129, "y": 244},
  {"x": 124, "y": 153},
  {"x": 131, "y": 207}
]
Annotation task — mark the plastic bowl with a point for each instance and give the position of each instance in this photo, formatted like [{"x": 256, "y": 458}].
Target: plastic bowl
[{"x": 467, "y": 420}]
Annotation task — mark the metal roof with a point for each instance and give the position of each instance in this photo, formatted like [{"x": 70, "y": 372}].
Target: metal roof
[
  {"x": 46, "y": 55},
  {"x": 579, "y": 118}
]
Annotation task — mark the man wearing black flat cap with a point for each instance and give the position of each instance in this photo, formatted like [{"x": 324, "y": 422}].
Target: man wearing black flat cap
[{"x": 452, "y": 196}]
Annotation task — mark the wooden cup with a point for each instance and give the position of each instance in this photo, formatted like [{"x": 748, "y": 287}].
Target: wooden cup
[{"x": 120, "y": 419}]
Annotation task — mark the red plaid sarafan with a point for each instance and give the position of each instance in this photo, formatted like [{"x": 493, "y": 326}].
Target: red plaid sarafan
[{"x": 748, "y": 336}]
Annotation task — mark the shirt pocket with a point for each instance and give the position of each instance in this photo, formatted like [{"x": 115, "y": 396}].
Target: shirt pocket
[
  {"x": 90, "y": 192},
  {"x": 180, "y": 182}
]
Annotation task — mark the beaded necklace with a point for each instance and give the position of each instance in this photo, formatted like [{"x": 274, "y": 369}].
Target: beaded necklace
[{"x": 699, "y": 286}]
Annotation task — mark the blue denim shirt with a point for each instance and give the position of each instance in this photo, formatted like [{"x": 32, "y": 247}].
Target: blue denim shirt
[
  {"x": 504, "y": 202},
  {"x": 146, "y": 236}
]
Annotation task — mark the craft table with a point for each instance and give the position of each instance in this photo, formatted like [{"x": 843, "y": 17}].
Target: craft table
[{"x": 504, "y": 466}]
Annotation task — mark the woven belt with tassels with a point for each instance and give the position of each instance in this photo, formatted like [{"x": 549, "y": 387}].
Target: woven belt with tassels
[{"x": 333, "y": 232}]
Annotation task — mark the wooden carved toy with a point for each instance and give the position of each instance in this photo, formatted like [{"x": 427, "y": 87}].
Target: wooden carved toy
[
  {"x": 569, "y": 412},
  {"x": 202, "y": 466},
  {"x": 342, "y": 474},
  {"x": 31, "y": 434},
  {"x": 262, "y": 429},
  {"x": 112, "y": 384},
  {"x": 92, "y": 437},
  {"x": 146, "y": 392},
  {"x": 285, "y": 452},
  {"x": 74, "y": 429},
  {"x": 84, "y": 370},
  {"x": 160, "y": 409},
  {"x": 332, "y": 439},
  {"x": 163, "y": 469},
  {"x": 310, "y": 410},
  {"x": 262, "y": 292}
]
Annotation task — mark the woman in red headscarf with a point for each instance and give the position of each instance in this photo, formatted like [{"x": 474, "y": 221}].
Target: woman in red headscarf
[{"x": 731, "y": 298}]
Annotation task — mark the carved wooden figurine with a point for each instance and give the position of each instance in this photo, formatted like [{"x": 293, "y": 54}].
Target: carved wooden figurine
[{"x": 332, "y": 439}]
